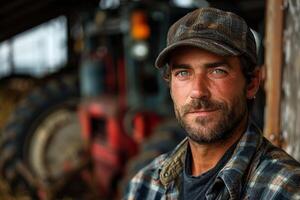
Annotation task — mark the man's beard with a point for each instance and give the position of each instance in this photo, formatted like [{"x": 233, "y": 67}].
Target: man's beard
[{"x": 206, "y": 130}]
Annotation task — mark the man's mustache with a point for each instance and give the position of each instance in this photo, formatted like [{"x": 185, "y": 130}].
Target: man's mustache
[{"x": 202, "y": 104}]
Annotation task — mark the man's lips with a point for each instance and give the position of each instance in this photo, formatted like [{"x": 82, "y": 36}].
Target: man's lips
[{"x": 202, "y": 112}]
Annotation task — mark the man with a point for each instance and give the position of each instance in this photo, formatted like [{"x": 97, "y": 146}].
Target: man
[{"x": 211, "y": 68}]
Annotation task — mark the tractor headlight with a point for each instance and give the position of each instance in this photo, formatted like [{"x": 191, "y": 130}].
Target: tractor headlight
[{"x": 140, "y": 50}]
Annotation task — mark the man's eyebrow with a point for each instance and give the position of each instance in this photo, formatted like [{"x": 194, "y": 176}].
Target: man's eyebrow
[
  {"x": 217, "y": 64},
  {"x": 180, "y": 66}
]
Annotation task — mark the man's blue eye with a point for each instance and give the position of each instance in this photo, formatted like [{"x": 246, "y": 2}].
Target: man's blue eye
[
  {"x": 219, "y": 71},
  {"x": 182, "y": 73}
]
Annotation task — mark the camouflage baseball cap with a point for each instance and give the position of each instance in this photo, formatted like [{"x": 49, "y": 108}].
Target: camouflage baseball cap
[{"x": 211, "y": 29}]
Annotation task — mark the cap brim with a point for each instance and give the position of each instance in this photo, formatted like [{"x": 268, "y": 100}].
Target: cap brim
[{"x": 206, "y": 44}]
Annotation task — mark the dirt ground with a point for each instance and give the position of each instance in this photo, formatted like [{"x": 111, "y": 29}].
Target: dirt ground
[{"x": 5, "y": 193}]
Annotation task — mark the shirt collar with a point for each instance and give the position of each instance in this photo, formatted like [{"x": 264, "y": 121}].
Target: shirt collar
[
  {"x": 232, "y": 173},
  {"x": 172, "y": 167},
  {"x": 237, "y": 167}
]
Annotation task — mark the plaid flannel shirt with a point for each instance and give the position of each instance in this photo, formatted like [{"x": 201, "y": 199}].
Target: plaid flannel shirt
[{"x": 256, "y": 170}]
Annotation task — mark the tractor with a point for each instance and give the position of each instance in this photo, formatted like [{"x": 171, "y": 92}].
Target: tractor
[{"x": 86, "y": 131}]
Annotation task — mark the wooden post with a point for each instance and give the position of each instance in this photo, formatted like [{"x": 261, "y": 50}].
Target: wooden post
[{"x": 273, "y": 63}]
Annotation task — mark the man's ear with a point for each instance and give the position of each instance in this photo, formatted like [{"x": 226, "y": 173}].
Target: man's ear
[{"x": 254, "y": 83}]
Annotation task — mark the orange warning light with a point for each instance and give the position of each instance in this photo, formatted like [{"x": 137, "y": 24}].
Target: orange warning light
[{"x": 140, "y": 29}]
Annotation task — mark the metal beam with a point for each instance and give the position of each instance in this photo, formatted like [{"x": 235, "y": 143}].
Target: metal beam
[{"x": 19, "y": 15}]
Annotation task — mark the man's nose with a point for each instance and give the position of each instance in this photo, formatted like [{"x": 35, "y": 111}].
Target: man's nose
[{"x": 200, "y": 88}]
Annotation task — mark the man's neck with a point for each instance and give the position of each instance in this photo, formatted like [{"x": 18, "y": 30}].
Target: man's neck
[{"x": 206, "y": 156}]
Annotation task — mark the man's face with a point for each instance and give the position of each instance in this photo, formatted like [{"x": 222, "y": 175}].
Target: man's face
[{"x": 209, "y": 93}]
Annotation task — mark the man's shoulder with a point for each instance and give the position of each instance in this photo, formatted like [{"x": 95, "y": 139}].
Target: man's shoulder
[
  {"x": 277, "y": 174},
  {"x": 153, "y": 168},
  {"x": 277, "y": 159},
  {"x": 149, "y": 182},
  {"x": 146, "y": 181}
]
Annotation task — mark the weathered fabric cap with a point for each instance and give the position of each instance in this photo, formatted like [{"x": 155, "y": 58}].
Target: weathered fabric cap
[{"x": 211, "y": 29}]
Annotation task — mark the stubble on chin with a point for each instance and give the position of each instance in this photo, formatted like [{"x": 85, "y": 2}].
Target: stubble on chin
[{"x": 211, "y": 129}]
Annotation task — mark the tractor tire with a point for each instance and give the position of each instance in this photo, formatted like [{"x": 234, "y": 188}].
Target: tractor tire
[
  {"x": 17, "y": 87},
  {"x": 41, "y": 136},
  {"x": 164, "y": 139}
]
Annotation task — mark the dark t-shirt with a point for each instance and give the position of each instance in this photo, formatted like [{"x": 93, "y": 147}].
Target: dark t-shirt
[{"x": 195, "y": 187}]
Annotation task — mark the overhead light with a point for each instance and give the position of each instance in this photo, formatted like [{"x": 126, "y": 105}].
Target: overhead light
[
  {"x": 191, "y": 3},
  {"x": 109, "y": 4}
]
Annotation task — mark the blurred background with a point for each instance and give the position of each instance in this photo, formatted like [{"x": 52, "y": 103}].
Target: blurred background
[{"x": 82, "y": 107}]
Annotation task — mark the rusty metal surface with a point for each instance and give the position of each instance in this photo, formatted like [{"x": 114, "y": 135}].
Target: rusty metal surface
[
  {"x": 291, "y": 79},
  {"x": 273, "y": 63}
]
